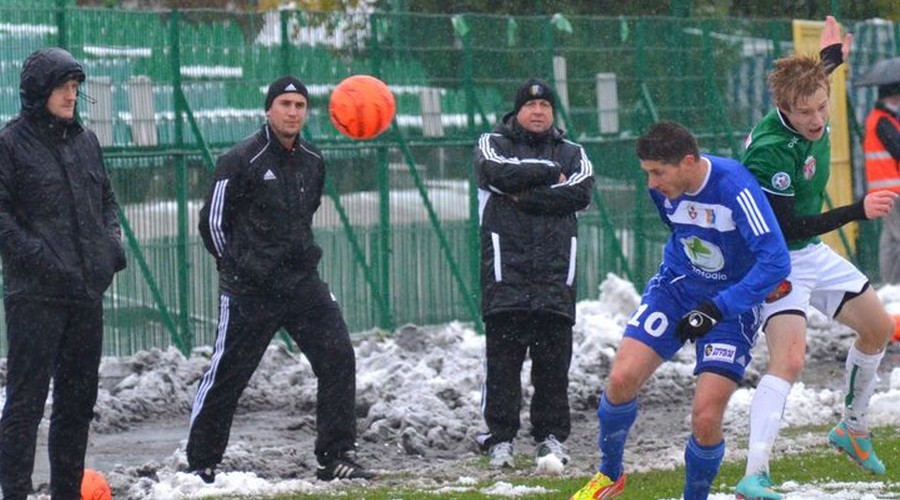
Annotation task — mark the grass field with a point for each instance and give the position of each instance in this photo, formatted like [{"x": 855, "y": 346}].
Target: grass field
[{"x": 820, "y": 466}]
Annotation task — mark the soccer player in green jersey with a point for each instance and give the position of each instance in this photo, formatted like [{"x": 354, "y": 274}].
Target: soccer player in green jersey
[{"x": 789, "y": 151}]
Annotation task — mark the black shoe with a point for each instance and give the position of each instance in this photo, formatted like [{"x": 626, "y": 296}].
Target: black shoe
[
  {"x": 208, "y": 474},
  {"x": 342, "y": 466}
]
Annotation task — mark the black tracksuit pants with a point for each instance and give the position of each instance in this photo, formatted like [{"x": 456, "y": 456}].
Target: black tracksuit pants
[
  {"x": 63, "y": 342},
  {"x": 246, "y": 327},
  {"x": 547, "y": 338}
]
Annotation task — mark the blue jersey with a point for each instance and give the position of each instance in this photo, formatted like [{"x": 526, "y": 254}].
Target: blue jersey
[{"x": 725, "y": 239}]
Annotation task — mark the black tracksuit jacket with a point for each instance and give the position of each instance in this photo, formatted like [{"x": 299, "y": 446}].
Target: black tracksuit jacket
[{"x": 257, "y": 219}]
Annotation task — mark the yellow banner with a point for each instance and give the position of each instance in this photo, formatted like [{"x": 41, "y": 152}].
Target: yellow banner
[{"x": 840, "y": 186}]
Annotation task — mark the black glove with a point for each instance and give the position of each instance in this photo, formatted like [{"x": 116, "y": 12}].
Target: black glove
[{"x": 698, "y": 322}]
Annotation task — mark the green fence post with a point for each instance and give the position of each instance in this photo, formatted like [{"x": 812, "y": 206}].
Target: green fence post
[
  {"x": 462, "y": 30},
  {"x": 475, "y": 246},
  {"x": 285, "y": 44},
  {"x": 562, "y": 112},
  {"x": 184, "y": 265},
  {"x": 609, "y": 231},
  {"x": 164, "y": 314},
  {"x": 680, "y": 8},
  {"x": 62, "y": 34},
  {"x": 358, "y": 253},
  {"x": 469, "y": 81},
  {"x": 375, "y": 45},
  {"x": 474, "y": 310},
  {"x": 639, "y": 234},
  {"x": 722, "y": 126},
  {"x": 385, "y": 249},
  {"x": 776, "y": 39}
]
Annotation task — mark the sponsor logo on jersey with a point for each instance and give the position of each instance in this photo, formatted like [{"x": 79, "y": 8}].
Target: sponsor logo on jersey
[
  {"x": 809, "y": 167},
  {"x": 706, "y": 257},
  {"x": 781, "y": 181},
  {"x": 269, "y": 176},
  {"x": 719, "y": 352}
]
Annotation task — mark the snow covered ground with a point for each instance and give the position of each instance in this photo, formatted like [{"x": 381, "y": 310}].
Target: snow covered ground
[{"x": 418, "y": 405}]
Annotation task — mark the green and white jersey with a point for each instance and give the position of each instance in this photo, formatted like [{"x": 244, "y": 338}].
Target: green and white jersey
[{"x": 787, "y": 164}]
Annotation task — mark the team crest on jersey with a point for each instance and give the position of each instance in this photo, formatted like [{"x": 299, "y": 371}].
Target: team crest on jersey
[
  {"x": 781, "y": 181},
  {"x": 704, "y": 255},
  {"x": 710, "y": 216},
  {"x": 780, "y": 291},
  {"x": 809, "y": 167},
  {"x": 692, "y": 212},
  {"x": 719, "y": 352}
]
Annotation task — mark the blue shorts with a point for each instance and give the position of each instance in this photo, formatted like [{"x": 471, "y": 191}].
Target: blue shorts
[{"x": 725, "y": 350}]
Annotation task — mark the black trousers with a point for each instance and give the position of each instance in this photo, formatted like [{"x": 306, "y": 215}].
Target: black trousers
[
  {"x": 62, "y": 342},
  {"x": 246, "y": 327},
  {"x": 547, "y": 338}
]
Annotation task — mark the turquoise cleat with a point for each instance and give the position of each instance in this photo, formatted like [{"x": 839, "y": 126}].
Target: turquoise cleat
[
  {"x": 856, "y": 446},
  {"x": 756, "y": 487}
]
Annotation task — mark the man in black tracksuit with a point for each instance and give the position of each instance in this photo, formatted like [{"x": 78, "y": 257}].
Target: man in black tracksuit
[
  {"x": 61, "y": 246},
  {"x": 257, "y": 223},
  {"x": 531, "y": 182}
]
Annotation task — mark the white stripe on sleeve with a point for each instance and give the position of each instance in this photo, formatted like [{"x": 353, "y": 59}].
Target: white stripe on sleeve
[
  {"x": 751, "y": 211},
  {"x": 215, "y": 216}
]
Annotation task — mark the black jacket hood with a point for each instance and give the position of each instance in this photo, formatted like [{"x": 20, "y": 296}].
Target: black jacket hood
[{"x": 42, "y": 72}]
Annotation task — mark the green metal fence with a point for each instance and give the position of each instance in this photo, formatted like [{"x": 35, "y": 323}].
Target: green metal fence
[{"x": 399, "y": 225}]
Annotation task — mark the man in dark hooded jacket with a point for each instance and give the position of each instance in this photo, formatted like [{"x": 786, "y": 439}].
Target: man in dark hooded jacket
[
  {"x": 61, "y": 245},
  {"x": 531, "y": 181}
]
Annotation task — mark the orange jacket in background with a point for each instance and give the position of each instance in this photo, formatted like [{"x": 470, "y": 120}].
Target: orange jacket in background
[{"x": 882, "y": 170}]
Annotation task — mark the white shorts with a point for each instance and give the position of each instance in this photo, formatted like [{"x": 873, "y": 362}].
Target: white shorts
[{"x": 820, "y": 278}]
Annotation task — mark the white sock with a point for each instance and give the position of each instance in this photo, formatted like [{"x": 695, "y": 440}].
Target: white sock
[
  {"x": 766, "y": 411},
  {"x": 859, "y": 380}
]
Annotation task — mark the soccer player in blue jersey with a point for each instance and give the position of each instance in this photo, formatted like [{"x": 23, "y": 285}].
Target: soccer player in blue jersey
[{"x": 725, "y": 254}]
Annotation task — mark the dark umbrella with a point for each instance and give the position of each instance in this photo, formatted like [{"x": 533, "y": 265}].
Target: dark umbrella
[{"x": 884, "y": 72}]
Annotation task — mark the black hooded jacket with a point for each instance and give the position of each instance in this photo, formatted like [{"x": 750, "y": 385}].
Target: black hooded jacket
[
  {"x": 59, "y": 232},
  {"x": 528, "y": 225}
]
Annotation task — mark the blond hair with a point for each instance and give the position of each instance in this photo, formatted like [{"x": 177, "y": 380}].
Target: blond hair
[{"x": 796, "y": 78}]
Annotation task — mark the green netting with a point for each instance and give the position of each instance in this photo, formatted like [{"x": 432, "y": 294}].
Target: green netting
[{"x": 388, "y": 259}]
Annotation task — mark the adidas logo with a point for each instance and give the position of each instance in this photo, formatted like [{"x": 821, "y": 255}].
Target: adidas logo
[
  {"x": 269, "y": 176},
  {"x": 290, "y": 88}
]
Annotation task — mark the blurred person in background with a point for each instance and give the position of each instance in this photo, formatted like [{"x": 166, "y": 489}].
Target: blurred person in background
[{"x": 881, "y": 146}]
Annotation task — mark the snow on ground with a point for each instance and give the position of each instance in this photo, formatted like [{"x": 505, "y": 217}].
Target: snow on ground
[{"x": 418, "y": 395}]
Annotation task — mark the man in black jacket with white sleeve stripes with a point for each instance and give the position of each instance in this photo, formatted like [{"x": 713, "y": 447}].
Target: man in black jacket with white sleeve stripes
[
  {"x": 531, "y": 182},
  {"x": 257, "y": 223}
]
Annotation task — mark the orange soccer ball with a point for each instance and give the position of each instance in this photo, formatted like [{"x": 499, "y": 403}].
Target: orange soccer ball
[
  {"x": 94, "y": 486},
  {"x": 361, "y": 107}
]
